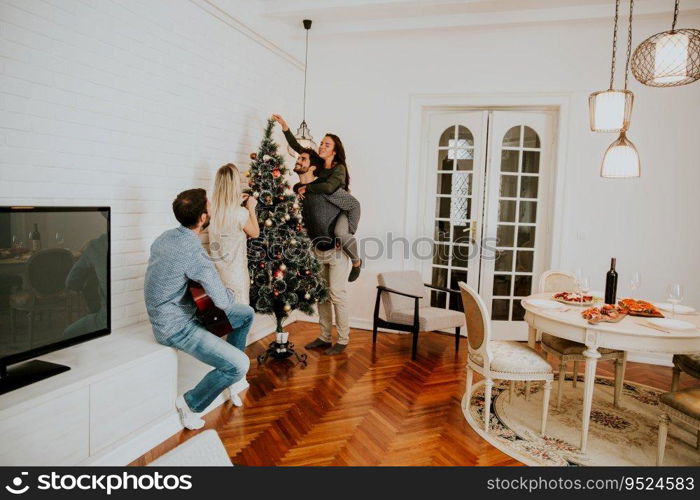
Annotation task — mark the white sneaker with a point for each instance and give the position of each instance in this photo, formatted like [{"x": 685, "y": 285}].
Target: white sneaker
[
  {"x": 189, "y": 419},
  {"x": 235, "y": 390}
]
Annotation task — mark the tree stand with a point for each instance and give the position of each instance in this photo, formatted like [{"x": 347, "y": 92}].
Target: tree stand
[{"x": 281, "y": 348}]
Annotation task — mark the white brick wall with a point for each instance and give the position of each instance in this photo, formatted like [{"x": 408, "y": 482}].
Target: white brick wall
[{"x": 126, "y": 103}]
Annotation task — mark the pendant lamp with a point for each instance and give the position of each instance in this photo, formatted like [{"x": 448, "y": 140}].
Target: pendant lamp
[
  {"x": 303, "y": 135},
  {"x": 668, "y": 59},
  {"x": 621, "y": 159},
  {"x": 610, "y": 110}
]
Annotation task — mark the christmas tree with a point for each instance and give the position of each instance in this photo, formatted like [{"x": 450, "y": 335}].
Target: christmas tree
[{"x": 284, "y": 272}]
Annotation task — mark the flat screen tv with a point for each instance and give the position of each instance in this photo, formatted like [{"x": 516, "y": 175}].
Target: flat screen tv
[{"x": 54, "y": 286}]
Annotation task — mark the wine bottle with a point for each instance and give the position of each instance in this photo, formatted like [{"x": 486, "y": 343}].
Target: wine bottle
[
  {"x": 35, "y": 237},
  {"x": 611, "y": 283}
]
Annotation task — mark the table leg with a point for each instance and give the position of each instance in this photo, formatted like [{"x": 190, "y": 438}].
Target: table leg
[
  {"x": 592, "y": 355},
  {"x": 531, "y": 336}
]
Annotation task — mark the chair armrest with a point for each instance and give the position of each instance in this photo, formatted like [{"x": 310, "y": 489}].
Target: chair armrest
[
  {"x": 441, "y": 288},
  {"x": 391, "y": 290}
]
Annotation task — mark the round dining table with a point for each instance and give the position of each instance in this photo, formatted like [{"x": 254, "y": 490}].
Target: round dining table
[{"x": 629, "y": 334}]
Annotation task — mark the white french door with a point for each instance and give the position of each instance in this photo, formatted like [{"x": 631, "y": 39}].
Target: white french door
[{"x": 487, "y": 208}]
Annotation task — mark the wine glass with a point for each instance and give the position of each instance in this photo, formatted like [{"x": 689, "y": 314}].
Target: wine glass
[
  {"x": 578, "y": 277},
  {"x": 584, "y": 286},
  {"x": 60, "y": 240},
  {"x": 675, "y": 296},
  {"x": 17, "y": 245},
  {"x": 635, "y": 281}
]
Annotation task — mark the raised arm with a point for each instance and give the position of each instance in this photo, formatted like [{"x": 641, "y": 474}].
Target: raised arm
[{"x": 294, "y": 144}]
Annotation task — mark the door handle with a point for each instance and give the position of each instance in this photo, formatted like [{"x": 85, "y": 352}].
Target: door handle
[{"x": 472, "y": 232}]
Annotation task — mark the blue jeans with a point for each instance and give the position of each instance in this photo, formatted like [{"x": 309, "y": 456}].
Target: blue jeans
[{"x": 226, "y": 356}]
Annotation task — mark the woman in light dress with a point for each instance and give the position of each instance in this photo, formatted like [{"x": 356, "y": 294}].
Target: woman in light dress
[{"x": 231, "y": 224}]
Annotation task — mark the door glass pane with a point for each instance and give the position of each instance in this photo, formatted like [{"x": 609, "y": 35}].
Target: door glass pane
[
  {"x": 442, "y": 208},
  {"x": 444, "y": 184},
  {"x": 531, "y": 162},
  {"x": 461, "y": 234},
  {"x": 460, "y": 256},
  {"x": 444, "y": 162},
  {"x": 526, "y": 236},
  {"x": 446, "y": 136},
  {"x": 456, "y": 276},
  {"x": 501, "y": 284},
  {"x": 504, "y": 260},
  {"x": 531, "y": 139},
  {"x": 499, "y": 309},
  {"x": 528, "y": 186},
  {"x": 505, "y": 236},
  {"x": 461, "y": 184},
  {"x": 528, "y": 212},
  {"x": 463, "y": 134},
  {"x": 506, "y": 212},
  {"x": 523, "y": 286},
  {"x": 512, "y": 138},
  {"x": 524, "y": 261},
  {"x": 439, "y": 277},
  {"x": 442, "y": 230},
  {"x": 509, "y": 186},
  {"x": 456, "y": 302},
  {"x": 518, "y": 311},
  {"x": 509, "y": 160},
  {"x": 438, "y": 299},
  {"x": 461, "y": 209},
  {"x": 465, "y": 164},
  {"x": 441, "y": 254}
]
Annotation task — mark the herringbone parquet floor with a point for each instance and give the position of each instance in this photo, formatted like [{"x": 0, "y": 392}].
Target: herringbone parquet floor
[{"x": 364, "y": 407}]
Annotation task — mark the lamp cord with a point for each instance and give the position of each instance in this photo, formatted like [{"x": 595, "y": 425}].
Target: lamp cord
[
  {"x": 614, "y": 47},
  {"x": 629, "y": 45},
  {"x": 306, "y": 64},
  {"x": 675, "y": 16}
]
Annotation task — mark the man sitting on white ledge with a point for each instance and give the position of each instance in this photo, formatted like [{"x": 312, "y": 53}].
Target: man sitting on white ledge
[{"x": 177, "y": 256}]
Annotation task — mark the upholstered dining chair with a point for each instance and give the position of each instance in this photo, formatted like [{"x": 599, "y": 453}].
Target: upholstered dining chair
[
  {"x": 406, "y": 301},
  {"x": 681, "y": 406},
  {"x": 499, "y": 360},
  {"x": 568, "y": 350},
  {"x": 688, "y": 363}
]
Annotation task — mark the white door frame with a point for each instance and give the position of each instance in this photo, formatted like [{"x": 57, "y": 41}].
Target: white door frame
[{"x": 421, "y": 105}]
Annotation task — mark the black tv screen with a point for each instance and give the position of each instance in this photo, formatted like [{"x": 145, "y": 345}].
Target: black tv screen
[{"x": 54, "y": 279}]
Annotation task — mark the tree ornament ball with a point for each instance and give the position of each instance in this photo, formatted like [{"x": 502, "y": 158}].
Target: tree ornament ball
[
  {"x": 287, "y": 217},
  {"x": 262, "y": 265},
  {"x": 276, "y": 173},
  {"x": 267, "y": 158},
  {"x": 307, "y": 295},
  {"x": 295, "y": 206},
  {"x": 268, "y": 222},
  {"x": 253, "y": 156},
  {"x": 275, "y": 293},
  {"x": 283, "y": 267},
  {"x": 247, "y": 173},
  {"x": 278, "y": 274},
  {"x": 307, "y": 272},
  {"x": 256, "y": 195},
  {"x": 287, "y": 308},
  {"x": 293, "y": 242}
]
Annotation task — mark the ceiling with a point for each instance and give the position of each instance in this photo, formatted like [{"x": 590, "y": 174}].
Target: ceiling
[{"x": 348, "y": 16}]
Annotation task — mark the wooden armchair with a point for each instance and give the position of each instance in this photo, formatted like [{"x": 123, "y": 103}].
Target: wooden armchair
[{"x": 401, "y": 292}]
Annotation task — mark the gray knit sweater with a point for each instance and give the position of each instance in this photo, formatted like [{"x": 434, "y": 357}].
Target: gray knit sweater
[{"x": 320, "y": 211}]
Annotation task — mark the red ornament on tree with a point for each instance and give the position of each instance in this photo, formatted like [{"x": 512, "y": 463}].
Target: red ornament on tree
[
  {"x": 276, "y": 173},
  {"x": 278, "y": 274}
]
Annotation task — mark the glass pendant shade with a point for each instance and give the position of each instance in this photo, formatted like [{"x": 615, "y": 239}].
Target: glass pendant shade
[
  {"x": 668, "y": 59},
  {"x": 621, "y": 160},
  {"x": 304, "y": 138},
  {"x": 610, "y": 110}
]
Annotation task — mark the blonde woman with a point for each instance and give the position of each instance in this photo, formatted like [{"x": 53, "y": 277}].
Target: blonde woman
[{"x": 231, "y": 224}]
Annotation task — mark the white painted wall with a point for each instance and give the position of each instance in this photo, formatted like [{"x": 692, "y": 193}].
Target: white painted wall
[
  {"x": 126, "y": 103},
  {"x": 649, "y": 224}
]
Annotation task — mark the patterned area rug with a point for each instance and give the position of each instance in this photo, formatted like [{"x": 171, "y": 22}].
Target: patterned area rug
[{"x": 617, "y": 436}]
